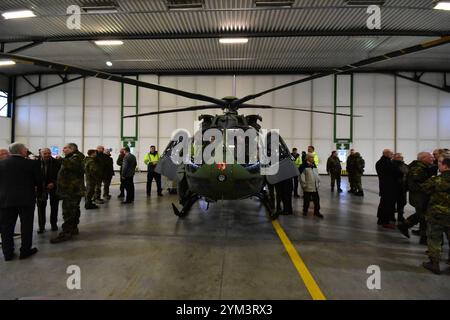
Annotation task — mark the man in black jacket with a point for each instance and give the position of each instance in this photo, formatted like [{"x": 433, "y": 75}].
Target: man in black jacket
[
  {"x": 49, "y": 170},
  {"x": 19, "y": 180},
  {"x": 387, "y": 177},
  {"x": 128, "y": 170}
]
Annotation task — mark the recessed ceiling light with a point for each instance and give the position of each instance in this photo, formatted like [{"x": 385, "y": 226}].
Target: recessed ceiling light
[
  {"x": 109, "y": 63},
  {"x": 364, "y": 3},
  {"x": 274, "y": 4},
  {"x": 233, "y": 40},
  {"x": 100, "y": 9},
  {"x": 18, "y": 14},
  {"x": 181, "y": 5},
  {"x": 443, "y": 5},
  {"x": 7, "y": 63},
  {"x": 109, "y": 42}
]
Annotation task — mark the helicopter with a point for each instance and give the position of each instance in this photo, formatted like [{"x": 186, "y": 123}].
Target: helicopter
[{"x": 221, "y": 180}]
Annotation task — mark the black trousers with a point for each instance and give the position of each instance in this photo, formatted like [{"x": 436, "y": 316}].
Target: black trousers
[
  {"x": 121, "y": 187},
  {"x": 128, "y": 184},
  {"x": 307, "y": 197},
  {"x": 295, "y": 181},
  {"x": 151, "y": 174},
  {"x": 335, "y": 178},
  {"x": 8, "y": 219},
  {"x": 42, "y": 205},
  {"x": 418, "y": 218},
  {"x": 386, "y": 208},
  {"x": 400, "y": 203}
]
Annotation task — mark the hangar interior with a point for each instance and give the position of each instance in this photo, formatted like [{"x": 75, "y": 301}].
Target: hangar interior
[{"x": 230, "y": 250}]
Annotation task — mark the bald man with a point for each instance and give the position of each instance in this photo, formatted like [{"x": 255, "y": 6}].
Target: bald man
[
  {"x": 4, "y": 154},
  {"x": 419, "y": 172}
]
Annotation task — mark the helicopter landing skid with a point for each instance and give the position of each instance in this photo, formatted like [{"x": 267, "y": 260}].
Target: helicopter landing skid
[
  {"x": 273, "y": 214},
  {"x": 186, "y": 207}
]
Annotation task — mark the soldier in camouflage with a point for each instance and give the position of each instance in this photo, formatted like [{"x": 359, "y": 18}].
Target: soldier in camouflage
[
  {"x": 419, "y": 172},
  {"x": 359, "y": 165},
  {"x": 92, "y": 177},
  {"x": 438, "y": 213},
  {"x": 70, "y": 186}
]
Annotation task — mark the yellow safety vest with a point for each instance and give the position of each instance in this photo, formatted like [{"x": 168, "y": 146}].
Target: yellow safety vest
[
  {"x": 151, "y": 158},
  {"x": 298, "y": 161},
  {"x": 316, "y": 159}
]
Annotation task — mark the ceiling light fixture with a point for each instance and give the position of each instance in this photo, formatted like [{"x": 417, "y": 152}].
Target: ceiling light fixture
[
  {"x": 443, "y": 5},
  {"x": 175, "y": 5},
  {"x": 109, "y": 63},
  {"x": 100, "y": 9},
  {"x": 18, "y": 14},
  {"x": 233, "y": 40},
  {"x": 109, "y": 42},
  {"x": 7, "y": 63},
  {"x": 364, "y": 3},
  {"x": 272, "y": 4}
]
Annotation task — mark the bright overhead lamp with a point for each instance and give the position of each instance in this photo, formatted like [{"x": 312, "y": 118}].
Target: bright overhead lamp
[
  {"x": 109, "y": 63},
  {"x": 233, "y": 40},
  {"x": 109, "y": 42},
  {"x": 443, "y": 5},
  {"x": 7, "y": 63},
  {"x": 18, "y": 14}
]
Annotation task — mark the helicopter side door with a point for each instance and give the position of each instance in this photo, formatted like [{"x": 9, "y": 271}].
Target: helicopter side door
[
  {"x": 169, "y": 162},
  {"x": 285, "y": 163}
]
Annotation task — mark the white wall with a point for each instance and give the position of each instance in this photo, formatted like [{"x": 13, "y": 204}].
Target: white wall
[
  {"x": 5, "y": 123},
  {"x": 55, "y": 116},
  {"x": 5, "y": 132}
]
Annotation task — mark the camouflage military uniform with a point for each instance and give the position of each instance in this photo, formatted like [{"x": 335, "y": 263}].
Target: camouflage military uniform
[
  {"x": 437, "y": 213},
  {"x": 359, "y": 165},
  {"x": 418, "y": 173},
  {"x": 70, "y": 188},
  {"x": 92, "y": 178}
]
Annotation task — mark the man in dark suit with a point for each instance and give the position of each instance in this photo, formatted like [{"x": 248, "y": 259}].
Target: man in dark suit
[
  {"x": 388, "y": 174},
  {"x": 19, "y": 180},
  {"x": 49, "y": 170}
]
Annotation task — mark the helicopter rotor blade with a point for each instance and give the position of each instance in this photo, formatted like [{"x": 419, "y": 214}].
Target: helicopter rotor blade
[
  {"x": 246, "y": 106},
  {"x": 349, "y": 67},
  {"x": 108, "y": 76},
  {"x": 194, "y": 108}
]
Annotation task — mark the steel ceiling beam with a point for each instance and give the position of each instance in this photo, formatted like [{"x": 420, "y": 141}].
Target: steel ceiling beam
[
  {"x": 27, "y": 46},
  {"x": 39, "y": 88},
  {"x": 415, "y": 79},
  {"x": 215, "y": 35}
]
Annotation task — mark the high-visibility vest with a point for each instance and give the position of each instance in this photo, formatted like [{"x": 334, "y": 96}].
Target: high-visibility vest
[
  {"x": 151, "y": 158},
  {"x": 316, "y": 159},
  {"x": 298, "y": 161}
]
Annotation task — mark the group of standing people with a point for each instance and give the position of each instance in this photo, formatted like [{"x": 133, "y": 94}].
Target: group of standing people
[
  {"x": 427, "y": 180},
  {"x": 27, "y": 182}
]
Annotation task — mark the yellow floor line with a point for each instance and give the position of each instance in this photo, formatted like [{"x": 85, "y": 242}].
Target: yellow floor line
[{"x": 302, "y": 270}]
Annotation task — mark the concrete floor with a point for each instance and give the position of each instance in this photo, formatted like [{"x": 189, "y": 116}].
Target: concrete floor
[{"x": 230, "y": 251}]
